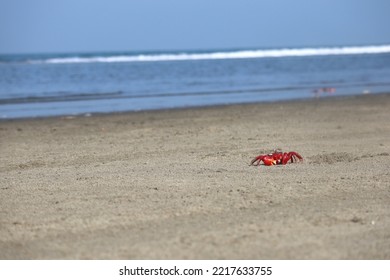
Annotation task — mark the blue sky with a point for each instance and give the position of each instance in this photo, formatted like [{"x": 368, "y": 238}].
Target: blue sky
[{"x": 28, "y": 26}]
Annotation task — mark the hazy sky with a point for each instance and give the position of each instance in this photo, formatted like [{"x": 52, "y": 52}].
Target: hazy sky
[{"x": 126, "y": 25}]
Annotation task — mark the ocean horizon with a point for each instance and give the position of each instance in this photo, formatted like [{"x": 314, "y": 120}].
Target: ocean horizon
[{"x": 41, "y": 85}]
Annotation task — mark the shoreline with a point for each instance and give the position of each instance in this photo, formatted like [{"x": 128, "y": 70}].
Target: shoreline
[
  {"x": 176, "y": 184},
  {"x": 196, "y": 107}
]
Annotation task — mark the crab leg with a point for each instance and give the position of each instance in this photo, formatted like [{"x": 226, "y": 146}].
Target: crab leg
[
  {"x": 256, "y": 161},
  {"x": 266, "y": 159},
  {"x": 293, "y": 156}
]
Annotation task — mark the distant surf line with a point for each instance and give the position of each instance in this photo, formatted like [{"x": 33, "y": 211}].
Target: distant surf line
[{"x": 238, "y": 54}]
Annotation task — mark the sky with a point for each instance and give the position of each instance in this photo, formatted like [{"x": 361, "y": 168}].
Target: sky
[{"x": 40, "y": 26}]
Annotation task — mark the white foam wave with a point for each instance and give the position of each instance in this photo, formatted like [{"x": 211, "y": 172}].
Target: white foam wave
[{"x": 242, "y": 54}]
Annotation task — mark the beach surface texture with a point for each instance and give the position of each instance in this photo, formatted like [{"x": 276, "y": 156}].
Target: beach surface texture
[{"x": 177, "y": 184}]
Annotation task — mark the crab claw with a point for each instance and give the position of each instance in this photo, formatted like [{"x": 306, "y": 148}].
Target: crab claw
[{"x": 269, "y": 161}]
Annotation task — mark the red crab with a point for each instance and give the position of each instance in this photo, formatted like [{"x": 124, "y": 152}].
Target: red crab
[{"x": 276, "y": 158}]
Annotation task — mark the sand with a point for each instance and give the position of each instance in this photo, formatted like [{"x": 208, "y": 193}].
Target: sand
[{"x": 177, "y": 184}]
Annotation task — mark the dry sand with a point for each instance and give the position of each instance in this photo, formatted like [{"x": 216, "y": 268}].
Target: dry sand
[{"x": 177, "y": 184}]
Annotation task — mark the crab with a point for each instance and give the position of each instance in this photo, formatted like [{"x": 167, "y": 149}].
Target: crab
[{"x": 277, "y": 157}]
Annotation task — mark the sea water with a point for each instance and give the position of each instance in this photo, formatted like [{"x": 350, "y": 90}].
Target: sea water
[{"x": 42, "y": 85}]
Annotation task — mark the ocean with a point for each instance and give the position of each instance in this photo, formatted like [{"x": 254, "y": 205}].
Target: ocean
[{"x": 41, "y": 85}]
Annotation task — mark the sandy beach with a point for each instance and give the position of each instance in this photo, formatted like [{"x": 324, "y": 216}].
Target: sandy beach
[{"x": 177, "y": 184}]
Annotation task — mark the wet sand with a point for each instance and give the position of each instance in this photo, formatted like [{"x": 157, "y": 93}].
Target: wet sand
[{"x": 177, "y": 184}]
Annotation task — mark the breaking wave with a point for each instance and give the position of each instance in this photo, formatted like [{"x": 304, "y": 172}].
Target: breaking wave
[{"x": 239, "y": 54}]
